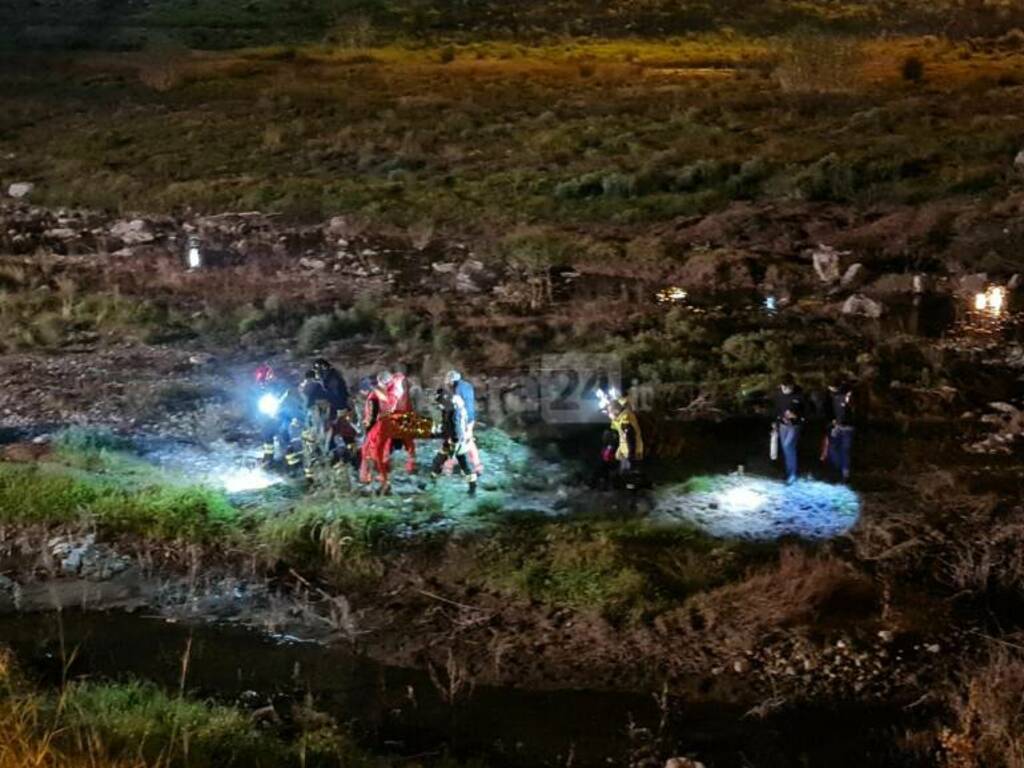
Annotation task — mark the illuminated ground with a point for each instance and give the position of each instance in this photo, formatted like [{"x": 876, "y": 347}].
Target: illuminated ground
[{"x": 734, "y": 506}]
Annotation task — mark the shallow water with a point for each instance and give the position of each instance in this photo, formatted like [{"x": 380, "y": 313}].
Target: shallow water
[{"x": 400, "y": 711}]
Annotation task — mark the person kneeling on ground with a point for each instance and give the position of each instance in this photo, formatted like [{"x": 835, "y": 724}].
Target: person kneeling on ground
[{"x": 453, "y": 438}]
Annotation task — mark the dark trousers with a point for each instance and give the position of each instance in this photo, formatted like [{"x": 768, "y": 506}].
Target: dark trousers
[
  {"x": 789, "y": 438},
  {"x": 442, "y": 456},
  {"x": 840, "y": 448}
]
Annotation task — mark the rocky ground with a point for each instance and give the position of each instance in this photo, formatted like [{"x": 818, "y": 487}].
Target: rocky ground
[{"x": 817, "y": 630}]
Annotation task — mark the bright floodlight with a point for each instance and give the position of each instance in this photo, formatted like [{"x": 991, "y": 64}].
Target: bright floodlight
[
  {"x": 269, "y": 405},
  {"x": 742, "y": 499},
  {"x": 991, "y": 301},
  {"x": 241, "y": 480},
  {"x": 195, "y": 259},
  {"x": 996, "y": 298}
]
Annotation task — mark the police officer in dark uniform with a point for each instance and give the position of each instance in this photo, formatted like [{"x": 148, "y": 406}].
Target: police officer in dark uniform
[
  {"x": 841, "y": 411},
  {"x": 789, "y": 419}
]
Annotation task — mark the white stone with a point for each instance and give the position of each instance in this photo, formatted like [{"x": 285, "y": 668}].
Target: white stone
[
  {"x": 134, "y": 232},
  {"x": 854, "y": 277},
  {"x": 20, "y": 189},
  {"x": 861, "y": 306},
  {"x": 826, "y": 263}
]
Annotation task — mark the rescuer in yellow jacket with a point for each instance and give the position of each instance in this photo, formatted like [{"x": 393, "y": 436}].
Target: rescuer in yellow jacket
[{"x": 627, "y": 427}]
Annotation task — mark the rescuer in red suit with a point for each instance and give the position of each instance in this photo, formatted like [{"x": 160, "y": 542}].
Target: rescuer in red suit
[{"x": 376, "y": 451}]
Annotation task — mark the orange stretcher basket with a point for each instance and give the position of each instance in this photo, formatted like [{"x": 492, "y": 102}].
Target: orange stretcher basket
[{"x": 408, "y": 426}]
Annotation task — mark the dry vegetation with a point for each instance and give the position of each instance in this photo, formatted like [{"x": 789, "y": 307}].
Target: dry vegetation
[{"x": 624, "y": 132}]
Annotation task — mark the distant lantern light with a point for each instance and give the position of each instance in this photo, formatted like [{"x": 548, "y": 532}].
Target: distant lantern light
[
  {"x": 671, "y": 295},
  {"x": 195, "y": 254},
  {"x": 992, "y": 301},
  {"x": 770, "y": 304},
  {"x": 996, "y": 299}
]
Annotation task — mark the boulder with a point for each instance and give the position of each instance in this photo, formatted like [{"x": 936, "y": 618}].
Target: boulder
[
  {"x": 20, "y": 189},
  {"x": 1018, "y": 161},
  {"x": 134, "y": 232},
  {"x": 860, "y": 305},
  {"x": 854, "y": 277},
  {"x": 683, "y": 762},
  {"x": 474, "y": 277},
  {"x": 826, "y": 261},
  {"x": 1015, "y": 282}
]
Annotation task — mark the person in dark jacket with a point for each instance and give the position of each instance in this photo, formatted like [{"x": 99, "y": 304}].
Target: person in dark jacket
[
  {"x": 841, "y": 412},
  {"x": 454, "y": 436},
  {"x": 334, "y": 386},
  {"x": 789, "y": 419}
]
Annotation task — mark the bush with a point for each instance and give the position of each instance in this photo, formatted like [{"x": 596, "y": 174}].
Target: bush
[
  {"x": 913, "y": 69},
  {"x": 447, "y": 55},
  {"x": 316, "y": 331},
  {"x": 828, "y": 179}
]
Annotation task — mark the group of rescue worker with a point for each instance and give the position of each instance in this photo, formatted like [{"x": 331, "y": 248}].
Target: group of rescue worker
[
  {"x": 623, "y": 447},
  {"x": 331, "y": 424},
  {"x": 387, "y": 422}
]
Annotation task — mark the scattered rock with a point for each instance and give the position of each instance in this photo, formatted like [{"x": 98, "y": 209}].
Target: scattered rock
[
  {"x": 20, "y": 189},
  {"x": 826, "y": 260},
  {"x": 683, "y": 762},
  {"x": 854, "y": 277},
  {"x": 134, "y": 232},
  {"x": 861, "y": 306},
  {"x": 1014, "y": 282},
  {"x": 317, "y": 265}
]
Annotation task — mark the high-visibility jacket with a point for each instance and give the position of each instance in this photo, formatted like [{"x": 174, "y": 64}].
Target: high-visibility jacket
[{"x": 631, "y": 441}]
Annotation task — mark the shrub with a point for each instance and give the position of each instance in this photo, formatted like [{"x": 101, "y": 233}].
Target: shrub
[
  {"x": 913, "y": 69},
  {"x": 447, "y": 55},
  {"x": 827, "y": 179},
  {"x": 317, "y": 331}
]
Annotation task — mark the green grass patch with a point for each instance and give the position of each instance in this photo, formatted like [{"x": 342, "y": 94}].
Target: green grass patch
[{"x": 51, "y": 494}]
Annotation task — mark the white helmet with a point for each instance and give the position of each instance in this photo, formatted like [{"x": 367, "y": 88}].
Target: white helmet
[{"x": 452, "y": 377}]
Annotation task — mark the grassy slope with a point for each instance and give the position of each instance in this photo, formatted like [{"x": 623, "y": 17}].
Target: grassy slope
[
  {"x": 619, "y": 568},
  {"x": 576, "y": 134}
]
